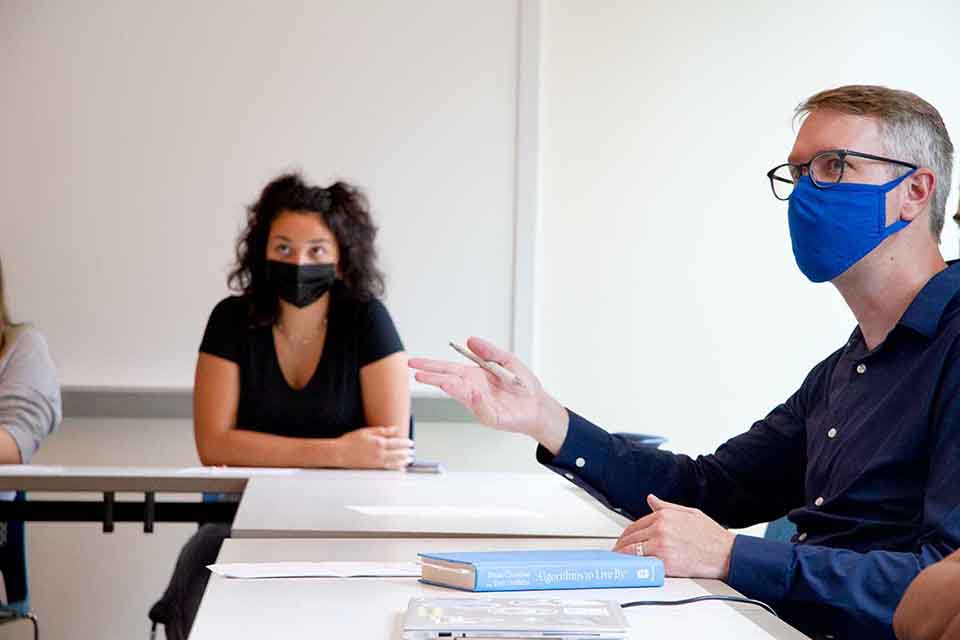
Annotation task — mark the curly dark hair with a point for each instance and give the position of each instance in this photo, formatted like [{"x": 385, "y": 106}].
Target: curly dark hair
[{"x": 345, "y": 211}]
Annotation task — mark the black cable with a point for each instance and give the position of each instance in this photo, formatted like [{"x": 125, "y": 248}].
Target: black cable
[{"x": 643, "y": 603}]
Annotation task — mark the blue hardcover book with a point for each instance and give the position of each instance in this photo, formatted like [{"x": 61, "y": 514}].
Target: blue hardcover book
[{"x": 541, "y": 569}]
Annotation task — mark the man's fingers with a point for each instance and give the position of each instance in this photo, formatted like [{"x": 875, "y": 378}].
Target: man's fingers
[
  {"x": 642, "y": 523},
  {"x": 656, "y": 504},
  {"x": 649, "y": 526},
  {"x": 650, "y": 547},
  {"x": 637, "y": 549},
  {"x": 453, "y": 386},
  {"x": 628, "y": 540},
  {"x": 620, "y": 547},
  {"x": 463, "y": 393},
  {"x": 489, "y": 351},
  {"x": 436, "y": 366},
  {"x": 443, "y": 381}
]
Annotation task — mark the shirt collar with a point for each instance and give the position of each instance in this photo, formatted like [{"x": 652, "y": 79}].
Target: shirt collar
[{"x": 924, "y": 313}]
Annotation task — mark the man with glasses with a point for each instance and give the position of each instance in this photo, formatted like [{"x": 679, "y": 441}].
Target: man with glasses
[{"x": 865, "y": 456}]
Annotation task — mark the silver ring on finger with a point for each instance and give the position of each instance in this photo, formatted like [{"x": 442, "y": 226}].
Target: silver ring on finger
[{"x": 638, "y": 549}]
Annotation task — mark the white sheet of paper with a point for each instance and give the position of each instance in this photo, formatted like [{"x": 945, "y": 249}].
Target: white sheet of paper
[
  {"x": 243, "y": 472},
  {"x": 253, "y": 570},
  {"x": 445, "y": 511}
]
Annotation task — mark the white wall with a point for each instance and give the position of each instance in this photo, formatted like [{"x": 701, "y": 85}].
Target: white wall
[
  {"x": 671, "y": 300},
  {"x": 135, "y": 132}
]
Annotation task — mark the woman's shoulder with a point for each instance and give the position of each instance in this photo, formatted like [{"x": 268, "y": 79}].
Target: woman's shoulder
[
  {"x": 232, "y": 304},
  {"x": 23, "y": 337},
  {"x": 375, "y": 329},
  {"x": 373, "y": 306},
  {"x": 228, "y": 329},
  {"x": 230, "y": 317},
  {"x": 25, "y": 350},
  {"x": 362, "y": 311},
  {"x": 232, "y": 310}
]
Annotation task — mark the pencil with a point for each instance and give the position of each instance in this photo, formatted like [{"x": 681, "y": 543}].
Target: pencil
[{"x": 495, "y": 368}]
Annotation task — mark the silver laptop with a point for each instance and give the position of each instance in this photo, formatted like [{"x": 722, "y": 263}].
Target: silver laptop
[{"x": 508, "y": 617}]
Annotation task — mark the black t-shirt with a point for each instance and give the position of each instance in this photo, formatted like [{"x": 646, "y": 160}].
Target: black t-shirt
[{"x": 330, "y": 404}]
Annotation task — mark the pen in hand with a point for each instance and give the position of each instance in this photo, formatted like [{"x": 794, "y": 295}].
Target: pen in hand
[{"x": 495, "y": 368}]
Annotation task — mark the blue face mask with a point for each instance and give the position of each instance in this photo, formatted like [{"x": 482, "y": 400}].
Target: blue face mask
[{"x": 831, "y": 229}]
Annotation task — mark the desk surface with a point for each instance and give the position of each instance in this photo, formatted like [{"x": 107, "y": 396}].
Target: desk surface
[
  {"x": 28, "y": 477},
  {"x": 373, "y": 608},
  {"x": 334, "y": 504}
]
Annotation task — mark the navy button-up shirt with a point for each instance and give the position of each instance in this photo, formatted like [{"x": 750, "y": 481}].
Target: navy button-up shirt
[{"x": 864, "y": 457}]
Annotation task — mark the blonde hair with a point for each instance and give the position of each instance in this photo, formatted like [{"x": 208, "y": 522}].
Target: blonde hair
[
  {"x": 4, "y": 315},
  {"x": 910, "y": 127}
]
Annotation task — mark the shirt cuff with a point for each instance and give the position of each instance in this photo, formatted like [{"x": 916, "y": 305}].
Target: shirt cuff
[
  {"x": 584, "y": 452},
  {"x": 761, "y": 568}
]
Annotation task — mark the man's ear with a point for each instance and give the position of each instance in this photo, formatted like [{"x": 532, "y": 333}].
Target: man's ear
[{"x": 918, "y": 191}]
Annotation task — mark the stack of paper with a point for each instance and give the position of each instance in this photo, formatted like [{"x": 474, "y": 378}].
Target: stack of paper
[{"x": 252, "y": 570}]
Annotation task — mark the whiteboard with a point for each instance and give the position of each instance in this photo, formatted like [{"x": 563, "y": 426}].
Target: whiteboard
[{"x": 135, "y": 133}]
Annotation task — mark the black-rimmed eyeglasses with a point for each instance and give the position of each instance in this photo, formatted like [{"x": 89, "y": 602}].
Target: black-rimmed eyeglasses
[{"x": 825, "y": 170}]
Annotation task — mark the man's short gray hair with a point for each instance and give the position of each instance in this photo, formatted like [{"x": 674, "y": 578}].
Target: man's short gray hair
[{"x": 911, "y": 129}]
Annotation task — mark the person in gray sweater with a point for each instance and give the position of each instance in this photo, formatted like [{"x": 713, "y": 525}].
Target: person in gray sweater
[{"x": 30, "y": 405}]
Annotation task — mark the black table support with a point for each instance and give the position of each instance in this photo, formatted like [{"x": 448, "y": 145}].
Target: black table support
[
  {"x": 108, "y": 500},
  {"x": 149, "y": 511},
  {"x": 110, "y": 511}
]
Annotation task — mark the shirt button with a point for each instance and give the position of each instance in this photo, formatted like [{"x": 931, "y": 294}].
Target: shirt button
[
  {"x": 832, "y": 433},
  {"x": 861, "y": 368},
  {"x": 818, "y": 501},
  {"x": 568, "y": 476},
  {"x": 801, "y": 537},
  {"x": 580, "y": 462}
]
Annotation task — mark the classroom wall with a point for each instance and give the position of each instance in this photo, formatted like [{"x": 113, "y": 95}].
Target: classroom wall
[
  {"x": 671, "y": 302},
  {"x": 135, "y": 134}
]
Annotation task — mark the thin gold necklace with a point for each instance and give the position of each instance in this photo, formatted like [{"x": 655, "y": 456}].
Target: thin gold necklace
[{"x": 302, "y": 340}]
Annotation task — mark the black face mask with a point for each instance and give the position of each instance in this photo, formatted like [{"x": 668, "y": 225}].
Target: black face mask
[{"x": 300, "y": 284}]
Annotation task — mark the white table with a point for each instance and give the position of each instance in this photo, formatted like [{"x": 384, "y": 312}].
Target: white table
[
  {"x": 362, "y": 608},
  {"x": 29, "y": 477},
  {"x": 108, "y": 481},
  {"x": 328, "y": 504}
]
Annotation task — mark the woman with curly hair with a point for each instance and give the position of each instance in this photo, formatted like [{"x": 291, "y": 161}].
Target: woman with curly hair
[{"x": 303, "y": 368}]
